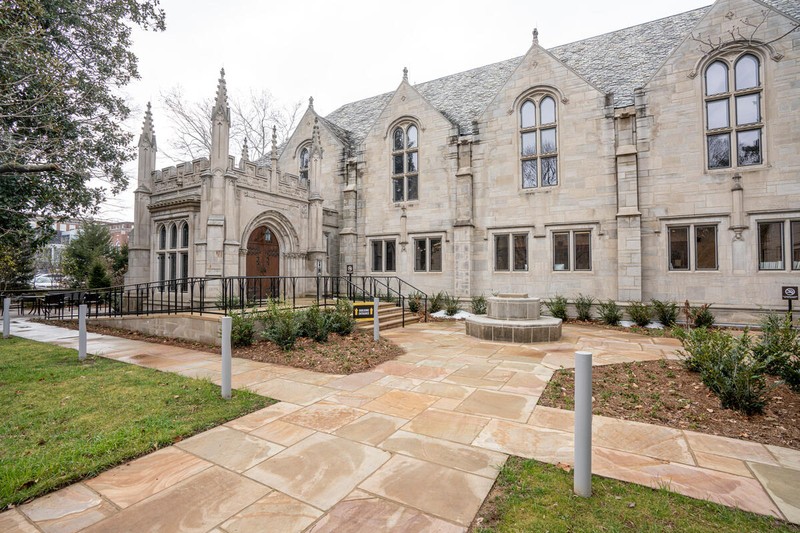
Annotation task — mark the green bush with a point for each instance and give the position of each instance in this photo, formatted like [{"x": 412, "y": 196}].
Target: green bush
[
  {"x": 98, "y": 275},
  {"x": 340, "y": 319},
  {"x": 451, "y": 305},
  {"x": 665, "y": 312},
  {"x": 779, "y": 348},
  {"x": 281, "y": 326},
  {"x": 701, "y": 316},
  {"x": 727, "y": 367},
  {"x": 640, "y": 313},
  {"x": 243, "y": 329},
  {"x": 557, "y": 307},
  {"x": 583, "y": 306},
  {"x": 609, "y": 313},
  {"x": 414, "y": 302},
  {"x": 478, "y": 305},
  {"x": 436, "y": 302},
  {"x": 313, "y": 324}
]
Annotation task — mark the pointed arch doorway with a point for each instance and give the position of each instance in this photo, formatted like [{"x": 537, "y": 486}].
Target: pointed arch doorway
[{"x": 263, "y": 264}]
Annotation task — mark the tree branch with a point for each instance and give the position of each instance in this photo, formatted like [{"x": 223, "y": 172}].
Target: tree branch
[{"x": 18, "y": 168}]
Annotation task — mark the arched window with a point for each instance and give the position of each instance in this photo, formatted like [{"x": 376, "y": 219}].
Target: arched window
[
  {"x": 405, "y": 163},
  {"x": 303, "y": 164},
  {"x": 734, "y": 121},
  {"x": 162, "y": 237},
  {"x": 538, "y": 142},
  {"x": 173, "y": 236},
  {"x": 185, "y": 235}
]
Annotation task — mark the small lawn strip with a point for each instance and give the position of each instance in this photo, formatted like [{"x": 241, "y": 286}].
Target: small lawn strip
[
  {"x": 63, "y": 421},
  {"x": 533, "y": 496}
]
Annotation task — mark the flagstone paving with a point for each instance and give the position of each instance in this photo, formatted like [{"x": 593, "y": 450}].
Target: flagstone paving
[{"x": 412, "y": 445}]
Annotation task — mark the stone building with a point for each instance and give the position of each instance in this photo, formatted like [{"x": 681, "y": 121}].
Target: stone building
[{"x": 658, "y": 161}]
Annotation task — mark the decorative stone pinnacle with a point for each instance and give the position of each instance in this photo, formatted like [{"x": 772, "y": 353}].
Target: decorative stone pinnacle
[
  {"x": 148, "y": 136},
  {"x": 405, "y": 73},
  {"x": 274, "y": 142},
  {"x": 316, "y": 143},
  {"x": 535, "y": 35},
  {"x": 245, "y": 152},
  {"x": 221, "y": 103},
  {"x": 311, "y": 102}
]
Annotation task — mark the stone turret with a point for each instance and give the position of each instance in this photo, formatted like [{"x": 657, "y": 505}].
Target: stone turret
[
  {"x": 139, "y": 248},
  {"x": 316, "y": 245},
  {"x": 220, "y": 126}
]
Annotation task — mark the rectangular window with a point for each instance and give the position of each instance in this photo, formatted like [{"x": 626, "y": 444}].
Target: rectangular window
[
  {"x": 398, "y": 192},
  {"x": 719, "y": 150},
  {"x": 184, "y": 271},
  {"x": 770, "y": 245},
  {"x": 583, "y": 250},
  {"x": 561, "y": 251},
  {"x": 428, "y": 254},
  {"x": 521, "y": 252},
  {"x": 705, "y": 247},
  {"x": 161, "y": 267},
  {"x": 795, "y": 230},
  {"x": 413, "y": 193},
  {"x": 383, "y": 255},
  {"x": 501, "y": 252},
  {"x": 679, "y": 248},
  {"x": 572, "y": 250}
]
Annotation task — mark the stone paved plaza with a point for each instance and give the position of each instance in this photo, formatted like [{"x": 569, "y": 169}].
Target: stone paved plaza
[{"x": 413, "y": 445}]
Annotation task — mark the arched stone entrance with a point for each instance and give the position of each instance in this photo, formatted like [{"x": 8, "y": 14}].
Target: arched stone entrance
[{"x": 263, "y": 261}]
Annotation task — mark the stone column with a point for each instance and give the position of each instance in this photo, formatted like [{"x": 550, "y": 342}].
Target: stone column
[{"x": 629, "y": 223}]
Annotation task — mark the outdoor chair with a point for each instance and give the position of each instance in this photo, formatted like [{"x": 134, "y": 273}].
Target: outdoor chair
[{"x": 53, "y": 303}]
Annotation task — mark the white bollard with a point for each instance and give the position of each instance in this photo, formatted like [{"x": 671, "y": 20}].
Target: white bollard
[
  {"x": 227, "y": 324},
  {"x": 82, "y": 331},
  {"x": 6, "y": 317},
  {"x": 376, "y": 325},
  {"x": 583, "y": 424}
]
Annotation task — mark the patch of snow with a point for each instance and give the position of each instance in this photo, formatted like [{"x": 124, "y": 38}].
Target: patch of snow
[
  {"x": 461, "y": 315},
  {"x": 651, "y": 325}
]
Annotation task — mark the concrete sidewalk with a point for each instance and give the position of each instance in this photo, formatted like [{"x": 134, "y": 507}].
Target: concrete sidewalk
[{"x": 413, "y": 445}]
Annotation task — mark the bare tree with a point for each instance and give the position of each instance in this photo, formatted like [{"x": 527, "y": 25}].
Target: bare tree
[
  {"x": 744, "y": 31},
  {"x": 253, "y": 118}
]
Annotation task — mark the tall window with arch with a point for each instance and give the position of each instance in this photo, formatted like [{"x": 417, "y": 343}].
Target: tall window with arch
[
  {"x": 734, "y": 121},
  {"x": 405, "y": 163},
  {"x": 172, "y": 257},
  {"x": 538, "y": 142},
  {"x": 303, "y": 164}
]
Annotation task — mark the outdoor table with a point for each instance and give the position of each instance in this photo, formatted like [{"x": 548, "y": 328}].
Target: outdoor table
[{"x": 35, "y": 302}]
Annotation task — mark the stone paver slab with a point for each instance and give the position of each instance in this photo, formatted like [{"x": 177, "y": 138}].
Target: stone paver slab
[
  {"x": 274, "y": 512},
  {"x": 140, "y": 479},
  {"x": 525, "y": 383},
  {"x": 292, "y": 391},
  {"x": 723, "y": 464},
  {"x": 438, "y": 490},
  {"x": 13, "y": 522},
  {"x": 361, "y": 512},
  {"x": 644, "y": 439},
  {"x": 404, "y": 404},
  {"x": 230, "y": 448},
  {"x": 284, "y": 433},
  {"x": 542, "y": 444},
  {"x": 319, "y": 470},
  {"x": 445, "y": 390},
  {"x": 372, "y": 428},
  {"x": 786, "y": 457},
  {"x": 499, "y": 405},
  {"x": 354, "y": 382},
  {"x": 263, "y": 416},
  {"x": 783, "y": 485},
  {"x": 727, "y": 447},
  {"x": 324, "y": 416},
  {"x": 447, "y": 425},
  {"x": 467, "y": 458},
  {"x": 194, "y": 505},
  {"x": 69, "y": 509}
]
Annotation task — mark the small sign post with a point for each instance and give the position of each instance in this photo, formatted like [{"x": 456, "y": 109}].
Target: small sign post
[
  {"x": 6, "y": 317},
  {"x": 789, "y": 293},
  {"x": 227, "y": 326}
]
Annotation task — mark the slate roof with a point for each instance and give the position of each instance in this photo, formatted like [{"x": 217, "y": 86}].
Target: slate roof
[{"x": 617, "y": 62}]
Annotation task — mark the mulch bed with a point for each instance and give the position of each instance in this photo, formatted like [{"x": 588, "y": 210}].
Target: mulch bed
[
  {"x": 348, "y": 354},
  {"x": 665, "y": 393}
]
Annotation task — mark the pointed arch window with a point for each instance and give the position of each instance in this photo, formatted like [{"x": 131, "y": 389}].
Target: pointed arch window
[
  {"x": 172, "y": 259},
  {"x": 303, "y": 164},
  {"x": 538, "y": 142},
  {"x": 734, "y": 122},
  {"x": 405, "y": 163}
]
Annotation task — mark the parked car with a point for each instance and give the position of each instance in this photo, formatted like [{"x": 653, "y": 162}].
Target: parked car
[{"x": 46, "y": 281}]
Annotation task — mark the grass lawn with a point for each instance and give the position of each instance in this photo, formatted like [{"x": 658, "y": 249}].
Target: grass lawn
[
  {"x": 62, "y": 420},
  {"x": 533, "y": 496}
]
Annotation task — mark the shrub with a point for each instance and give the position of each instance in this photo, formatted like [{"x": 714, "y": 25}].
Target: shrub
[
  {"x": 779, "y": 348},
  {"x": 340, "y": 319},
  {"x": 557, "y": 307},
  {"x": 313, "y": 324},
  {"x": 583, "y": 306},
  {"x": 98, "y": 275},
  {"x": 436, "y": 302},
  {"x": 243, "y": 329},
  {"x": 727, "y": 367},
  {"x": 665, "y": 312},
  {"x": 282, "y": 326},
  {"x": 451, "y": 304},
  {"x": 478, "y": 305},
  {"x": 414, "y": 302},
  {"x": 610, "y": 313},
  {"x": 640, "y": 313},
  {"x": 701, "y": 316}
]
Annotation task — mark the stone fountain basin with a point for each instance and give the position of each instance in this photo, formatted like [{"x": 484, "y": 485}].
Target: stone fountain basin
[{"x": 544, "y": 329}]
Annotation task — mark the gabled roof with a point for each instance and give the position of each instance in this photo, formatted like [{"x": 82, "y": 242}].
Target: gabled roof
[
  {"x": 616, "y": 62},
  {"x": 789, "y": 8}
]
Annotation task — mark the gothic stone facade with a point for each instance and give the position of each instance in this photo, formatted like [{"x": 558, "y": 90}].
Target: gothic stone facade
[{"x": 659, "y": 161}]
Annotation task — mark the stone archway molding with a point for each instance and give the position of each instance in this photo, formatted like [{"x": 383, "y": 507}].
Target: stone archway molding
[{"x": 282, "y": 226}]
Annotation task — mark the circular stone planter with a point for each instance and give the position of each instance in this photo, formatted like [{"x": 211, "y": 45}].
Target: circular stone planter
[{"x": 514, "y": 318}]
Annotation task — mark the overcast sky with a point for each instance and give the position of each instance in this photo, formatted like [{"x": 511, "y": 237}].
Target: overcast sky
[{"x": 339, "y": 52}]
